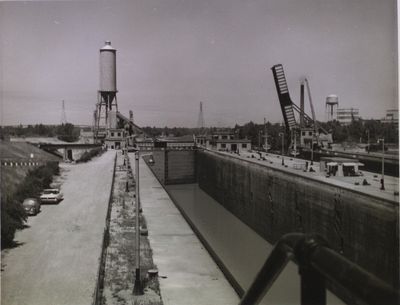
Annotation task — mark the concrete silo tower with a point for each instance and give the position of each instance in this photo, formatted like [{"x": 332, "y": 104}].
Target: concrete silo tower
[
  {"x": 107, "y": 95},
  {"x": 108, "y": 74}
]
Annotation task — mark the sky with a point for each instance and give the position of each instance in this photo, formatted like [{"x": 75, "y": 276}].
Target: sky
[{"x": 174, "y": 54}]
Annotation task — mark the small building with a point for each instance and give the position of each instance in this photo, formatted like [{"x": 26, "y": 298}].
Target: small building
[
  {"x": 175, "y": 143},
  {"x": 341, "y": 167},
  {"x": 203, "y": 141},
  {"x": 223, "y": 140},
  {"x": 87, "y": 134},
  {"x": 307, "y": 135},
  {"x": 220, "y": 134},
  {"x": 144, "y": 144},
  {"x": 235, "y": 145},
  {"x": 115, "y": 138}
]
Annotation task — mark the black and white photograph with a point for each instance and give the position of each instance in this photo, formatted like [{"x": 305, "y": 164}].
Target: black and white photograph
[{"x": 199, "y": 152}]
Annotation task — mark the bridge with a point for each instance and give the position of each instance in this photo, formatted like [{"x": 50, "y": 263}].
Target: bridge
[{"x": 67, "y": 148}]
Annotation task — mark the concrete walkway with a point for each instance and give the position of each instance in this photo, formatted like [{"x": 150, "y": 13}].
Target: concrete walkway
[{"x": 188, "y": 275}]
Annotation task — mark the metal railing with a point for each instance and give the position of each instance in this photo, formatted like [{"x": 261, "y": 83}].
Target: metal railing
[{"x": 318, "y": 264}]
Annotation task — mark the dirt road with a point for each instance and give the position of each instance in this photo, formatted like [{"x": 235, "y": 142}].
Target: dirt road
[{"x": 58, "y": 256}]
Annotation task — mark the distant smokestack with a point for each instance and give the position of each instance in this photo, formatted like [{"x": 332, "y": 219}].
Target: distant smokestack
[
  {"x": 302, "y": 104},
  {"x": 131, "y": 115}
]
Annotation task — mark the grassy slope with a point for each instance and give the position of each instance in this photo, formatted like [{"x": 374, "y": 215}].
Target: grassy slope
[{"x": 16, "y": 151}]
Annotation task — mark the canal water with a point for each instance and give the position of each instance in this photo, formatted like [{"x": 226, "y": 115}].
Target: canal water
[{"x": 240, "y": 249}]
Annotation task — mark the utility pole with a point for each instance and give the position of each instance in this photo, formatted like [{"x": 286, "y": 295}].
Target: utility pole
[
  {"x": 283, "y": 142},
  {"x": 302, "y": 104},
  {"x": 138, "y": 288},
  {"x": 265, "y": 136},
  {"x": 312, "y": 150},
  {"x": 383, "y": 164},
  {"x": 367, "y": 140},
  {"x": 63, "y": 114}
]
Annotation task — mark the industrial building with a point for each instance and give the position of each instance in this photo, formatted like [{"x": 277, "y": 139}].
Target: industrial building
[
  {"x": 392, "y": 116},
  {"x": 346, "y": 115}
]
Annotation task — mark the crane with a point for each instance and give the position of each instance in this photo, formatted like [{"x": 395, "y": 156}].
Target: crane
[
  {"x": 316, "y": 125},
  {"x": 288, "y": 108}
]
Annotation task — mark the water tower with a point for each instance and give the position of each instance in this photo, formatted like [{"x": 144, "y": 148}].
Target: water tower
[
  {"x": 106, "y": 107},
  {"x": 332, "y": 103}
]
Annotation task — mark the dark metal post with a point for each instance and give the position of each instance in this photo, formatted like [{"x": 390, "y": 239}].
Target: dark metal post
[
  {"x": 312, "y": 283},
  {"x": 312, "y": 287},
  {"x": 138, "y": 288},
  {"x": 269, "y": 272},
  {"x": 302, "y": 104},
  {"x": 265, "y": 136},
  {"x": 318, "y": 262},
  {"x": 283, "y": 143},
  {"x": 312, "y": 150},
  {"x": 383, "y": 165}
]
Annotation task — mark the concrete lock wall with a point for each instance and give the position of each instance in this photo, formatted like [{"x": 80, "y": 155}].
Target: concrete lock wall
[
  {"x": 180, "y": 166},
  {"x": 273, "y": 202},
  {"x": 174, "y": 166}
]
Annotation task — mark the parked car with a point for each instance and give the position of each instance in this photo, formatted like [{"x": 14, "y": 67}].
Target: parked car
[
  {"x": 51, "y": 196},
  {"x": 31, "y": 206}
]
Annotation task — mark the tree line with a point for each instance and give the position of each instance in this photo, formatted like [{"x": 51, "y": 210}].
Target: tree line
[
  {"x": 357, "y": 131},
  {"x": 64, "y": 132}
]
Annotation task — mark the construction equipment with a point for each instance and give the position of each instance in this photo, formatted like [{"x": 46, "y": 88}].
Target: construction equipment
[{"x": 309, "y": 130}]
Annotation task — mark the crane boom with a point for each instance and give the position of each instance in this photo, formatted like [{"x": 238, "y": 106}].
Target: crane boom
[
  {"x": 316, "y": 125},
  {"x": 311, "y": 105},
  {"x": 284, "y": 97}
]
